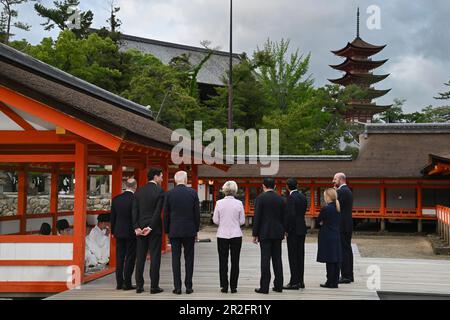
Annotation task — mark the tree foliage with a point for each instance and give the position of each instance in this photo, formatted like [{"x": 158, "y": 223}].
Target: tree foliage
[
  {"x": 63, "y": 14},
  {"x": 8, "y": 19}
]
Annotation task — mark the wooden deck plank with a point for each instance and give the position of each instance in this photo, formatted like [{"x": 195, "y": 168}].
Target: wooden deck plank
[{"x": 206, "y": 280}]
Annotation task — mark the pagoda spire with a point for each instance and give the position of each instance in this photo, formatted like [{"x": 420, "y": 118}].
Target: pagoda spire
[{"x": 357, "y": 23}]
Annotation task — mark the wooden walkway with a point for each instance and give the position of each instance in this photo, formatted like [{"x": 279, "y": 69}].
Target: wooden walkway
[{"x": 397, "y": 275}]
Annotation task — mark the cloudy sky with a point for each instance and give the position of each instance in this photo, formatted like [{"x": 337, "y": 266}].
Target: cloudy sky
[{"x": 416, "y": 33}]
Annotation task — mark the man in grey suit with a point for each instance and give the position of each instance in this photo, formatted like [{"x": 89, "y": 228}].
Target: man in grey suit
[{"x": 182, "y": 223}]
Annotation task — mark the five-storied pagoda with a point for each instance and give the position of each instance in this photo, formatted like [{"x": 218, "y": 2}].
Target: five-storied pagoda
[{"x": 358, "y": 68}]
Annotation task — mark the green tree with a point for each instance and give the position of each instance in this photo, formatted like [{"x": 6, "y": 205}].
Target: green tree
[
  {"x": 8, "y": 15},
  {"x": 249, "y": 103},
  {"x": 93, "y": 59},
  {"x": 63, "y": 14},
  {"x": 283, "y": 75},
  {"x": 394, "y": 114},
  {"x": 444, "y": 95}
]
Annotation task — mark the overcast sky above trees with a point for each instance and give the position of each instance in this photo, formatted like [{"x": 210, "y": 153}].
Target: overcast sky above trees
[{"x": 416, "y": 33}]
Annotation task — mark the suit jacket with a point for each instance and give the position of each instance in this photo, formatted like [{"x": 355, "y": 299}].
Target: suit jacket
[
  {"x": 296, "y": 205},
  {"x": 147, "y": 206},
  {"x": 182, "y": 212},
  {"x": 329, "y": 239},
  {"x": 121, "y": 216},
  {"x": 345, "y": 198},
  {"x": 269, "y": 216}
]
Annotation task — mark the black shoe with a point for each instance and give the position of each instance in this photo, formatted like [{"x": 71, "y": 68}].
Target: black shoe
[
  {"x": 345, "y": 281},
  {"x": 128, "y": 288},
  {"x": 292, "y": 287},
  {"x": 224, "y": 290},
  {"x": 176, "y": 291},
  {"x": 277, "y": 289},
  {"x": 156, "y": 290},
  {"x": 301, "y": 286},
  {"x": 139, "y": 290},
  {"x": 119, "y": 287},
  {"x": 259, "y": 290},
  {"x": 329, "y": 286},
  {"x": 189, "y": 291},
  {"x": 233, "y": 290}
]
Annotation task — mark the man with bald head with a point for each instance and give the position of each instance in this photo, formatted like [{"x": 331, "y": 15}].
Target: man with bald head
[
  {"x": 345, "y": 198},
  {"x": 122, "y": 230},
  {"x": 182, "y": 223}
]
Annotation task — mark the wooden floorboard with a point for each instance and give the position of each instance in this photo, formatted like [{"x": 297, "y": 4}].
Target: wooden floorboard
[{"x": 397, "y": 275}]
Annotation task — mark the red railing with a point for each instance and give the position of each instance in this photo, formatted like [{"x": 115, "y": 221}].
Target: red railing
[{"x": 443, "y": 225}]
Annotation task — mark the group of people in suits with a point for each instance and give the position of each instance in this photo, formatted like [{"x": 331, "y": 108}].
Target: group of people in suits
[
  {"x": 138, "y": 216},
  {"x": 137, "y": 224}
]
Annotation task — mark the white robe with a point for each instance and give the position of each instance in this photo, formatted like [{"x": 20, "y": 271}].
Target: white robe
[{"x": 98, "y": 246}]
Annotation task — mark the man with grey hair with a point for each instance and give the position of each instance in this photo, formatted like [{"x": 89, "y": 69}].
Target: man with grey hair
[
  {"x": 122, "y": 230},
  {"x": 182, "y": 223},
  {"x": 345, "y": 198}
]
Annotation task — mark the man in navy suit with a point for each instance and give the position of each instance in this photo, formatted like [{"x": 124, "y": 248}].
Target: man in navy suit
[
  {"x": 268, "y": 231},
  {"x": 345, "y": 198},
  {"x": 182, "y": 223},
  {"x": 122, "y": 230},
  {"x": 295, "y": 227},
  {"x": 147, "y": 224}
]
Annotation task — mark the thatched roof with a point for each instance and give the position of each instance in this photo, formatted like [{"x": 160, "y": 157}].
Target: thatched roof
[{"x": 387, "y": 151}]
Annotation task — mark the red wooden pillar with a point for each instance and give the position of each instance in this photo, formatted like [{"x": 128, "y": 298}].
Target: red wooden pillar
[
  {"x": 79, "y": 219},
  {"x": 419, "y": 200},
  {"x": 116, "y": 189},
  {"x": 247, "y": 199},
  {"x": 165, "y": 186},
  {"x": 383, "y": 199},
  {"x": 22, "y": 200},
  {"x": 280, "y": 188},
  {"x": 54, "y": 198},
  {"x": 312, "y": 200},
  {"x": 194, "y": 175}
]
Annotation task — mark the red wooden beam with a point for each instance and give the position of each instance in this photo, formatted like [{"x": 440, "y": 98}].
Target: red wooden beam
[{"x": 51, "y": 115}]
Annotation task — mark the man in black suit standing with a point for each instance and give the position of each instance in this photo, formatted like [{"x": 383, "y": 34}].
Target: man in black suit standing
[
  {"x": 182, "y": 223},
  {"x": 122, "y": 230},
  {"x": 295, "y": 227},
  {"x": 147, "y": 224},
  {"x": 268, "y": 230},
  {"x": 345, "y": 198}
]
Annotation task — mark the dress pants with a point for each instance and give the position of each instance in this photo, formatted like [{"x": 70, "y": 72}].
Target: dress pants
[
  {"x": 347, "y": 256},
  {"x": 226, "y": 247},
  {"x": 333, "y": 274},
  {"x": 271, "y": 249},
  {"x": 151, "y": 243},
  {"x": 126, "y": 260},
  {"x": 188, "y": 245},
  {"x": 296, "y": 253}
]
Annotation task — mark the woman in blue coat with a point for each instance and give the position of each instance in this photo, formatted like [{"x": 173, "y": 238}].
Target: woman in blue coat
[{"x": 329, "y": 250}]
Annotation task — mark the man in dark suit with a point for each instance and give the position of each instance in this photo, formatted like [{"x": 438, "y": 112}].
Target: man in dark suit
[
  {"x": 268, "y": 230},
  {"x": 122, "y": 230},
  {"x": 182, "y": 223},
  {"x": 345, "y": 198},
  {"x": 295, "y": 227},
  {"x": 147, "y": 223}
]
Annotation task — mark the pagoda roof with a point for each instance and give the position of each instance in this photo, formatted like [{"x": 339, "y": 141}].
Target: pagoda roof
[
  {"x": 358, "y": 47},
  {"x": 351, "y": 63},
  {"x": 355, "y": 78},
  {"x": 374, "y": 93},
  {"x": 369, "y": 107}
]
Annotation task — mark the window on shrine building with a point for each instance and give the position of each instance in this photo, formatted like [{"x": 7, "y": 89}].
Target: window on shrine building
[{"x": 8, "y": 193}]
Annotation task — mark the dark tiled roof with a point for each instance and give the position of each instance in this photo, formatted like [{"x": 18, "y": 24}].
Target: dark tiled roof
[{"x": 213, "y": 70}]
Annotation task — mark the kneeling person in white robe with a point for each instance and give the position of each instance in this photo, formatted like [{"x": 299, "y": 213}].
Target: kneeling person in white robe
[{"x": 98, "y": 243}]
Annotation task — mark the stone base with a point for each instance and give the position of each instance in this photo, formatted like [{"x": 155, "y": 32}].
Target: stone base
[{"x": 440, "y": 247}]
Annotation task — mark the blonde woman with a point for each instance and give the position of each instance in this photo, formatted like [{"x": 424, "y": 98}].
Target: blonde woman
[
  {"x": 329, "y": 250},
  {"x": 229, "y": 215}
]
